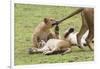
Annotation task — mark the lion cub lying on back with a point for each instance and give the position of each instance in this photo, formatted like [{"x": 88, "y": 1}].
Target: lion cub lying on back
[
  {"x": 43, "y": 32},
  {"x": 56, "y": 45}
]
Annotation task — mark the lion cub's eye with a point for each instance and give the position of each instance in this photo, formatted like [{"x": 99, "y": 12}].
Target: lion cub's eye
[{"x": 52, "y": 20}]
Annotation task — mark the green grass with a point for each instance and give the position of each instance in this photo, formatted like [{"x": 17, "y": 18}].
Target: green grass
[{"x": 27, "y": 17}]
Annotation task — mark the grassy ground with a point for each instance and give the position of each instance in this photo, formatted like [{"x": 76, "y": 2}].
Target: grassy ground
[{"x": 27, "y": 17}]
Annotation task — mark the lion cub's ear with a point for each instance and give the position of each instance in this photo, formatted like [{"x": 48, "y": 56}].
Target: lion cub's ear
[{"x": 46, "y": 20}]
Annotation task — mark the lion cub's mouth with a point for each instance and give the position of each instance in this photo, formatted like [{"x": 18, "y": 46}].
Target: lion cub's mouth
[{"x": 55, "y": 23}]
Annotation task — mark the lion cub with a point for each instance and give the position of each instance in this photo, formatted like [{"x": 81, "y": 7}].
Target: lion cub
[{"x": 43, "y": 32}]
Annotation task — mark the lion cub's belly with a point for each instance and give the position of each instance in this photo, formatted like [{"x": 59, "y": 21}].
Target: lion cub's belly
[{"x": 43, "y": 36}]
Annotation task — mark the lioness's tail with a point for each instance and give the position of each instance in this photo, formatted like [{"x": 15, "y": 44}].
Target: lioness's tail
[{"x": 72, "y": 14}]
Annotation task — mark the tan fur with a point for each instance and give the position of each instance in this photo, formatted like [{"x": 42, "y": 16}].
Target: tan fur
[
  {"x": 43, "y": 32},
  {"x": 55, "y": 46},
  {"x": 63, "y": 44}
]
